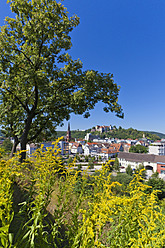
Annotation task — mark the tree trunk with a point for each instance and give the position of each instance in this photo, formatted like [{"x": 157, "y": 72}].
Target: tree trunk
[
  {"x": 16, "y": 142},
  {"x": 23, "y": 143},
  {"x": 28, "y": 122}
]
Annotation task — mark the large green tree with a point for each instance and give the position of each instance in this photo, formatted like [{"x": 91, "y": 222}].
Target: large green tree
[
  {"x": 138, "y": 149},
  {"x": 41, "y": 85}
]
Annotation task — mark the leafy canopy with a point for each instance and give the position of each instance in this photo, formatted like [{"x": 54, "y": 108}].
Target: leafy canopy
[
  {"x": 138, "y": 149},
  {"x": 41, "y": 85}
]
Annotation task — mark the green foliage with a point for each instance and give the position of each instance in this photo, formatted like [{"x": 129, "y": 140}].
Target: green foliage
[
  {"x": 86, "y": 158},
  {"x": 129, "y": 170},
  {"x": 7, "y": 145},
  {"x": 40, "y": 84},
  {"x": 2, "y": 152},
  {"x": 100, "y": 158},
  {"x": 142, "y": 169},
  {"x": 156, "y": 183},
  {"x": 138, "y": 149},
  {"x": 124, "y": 179},
  {"x": 116, "y": 165},
  {"x": 70, "y": 160},
  {"x": 90, "y": 164},
  {"x": 160, "y": 135},
  {"x": 77, "y": 157}
]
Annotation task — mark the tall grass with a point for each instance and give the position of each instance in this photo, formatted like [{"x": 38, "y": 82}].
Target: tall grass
[{"x": 44, "y": 204}]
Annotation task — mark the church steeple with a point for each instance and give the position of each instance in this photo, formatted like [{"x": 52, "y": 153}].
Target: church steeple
[{"x": 68, "y": 136}]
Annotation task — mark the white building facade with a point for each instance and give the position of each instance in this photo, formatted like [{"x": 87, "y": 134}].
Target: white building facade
[
  {"x": 152, "y": 163},
  {"x": 157, "y": 148}
]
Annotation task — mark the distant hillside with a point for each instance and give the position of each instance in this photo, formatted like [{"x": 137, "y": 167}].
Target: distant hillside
[
  {"x": 129, "y": 133},
  {"x": 161, "y": 135},
  {"x": 120, "y": 133}
]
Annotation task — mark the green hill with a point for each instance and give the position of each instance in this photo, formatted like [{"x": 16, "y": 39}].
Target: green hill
[
  {"x": 119, "y": 133},
  {"x": 161, "y": 135},
  {"x": 129, "y": 133}
]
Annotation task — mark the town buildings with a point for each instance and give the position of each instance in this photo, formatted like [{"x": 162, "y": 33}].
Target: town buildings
[{"x": 108, "y": 148}]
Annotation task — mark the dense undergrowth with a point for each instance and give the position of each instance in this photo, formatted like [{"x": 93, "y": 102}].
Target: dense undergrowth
[{"x": 44, "y": 204}]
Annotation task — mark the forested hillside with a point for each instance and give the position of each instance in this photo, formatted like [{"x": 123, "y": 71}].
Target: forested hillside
[
  {"x": 161, "y": 135},
  {"x": 120, "y": 133},
  {"x": 130, "y": 133}
]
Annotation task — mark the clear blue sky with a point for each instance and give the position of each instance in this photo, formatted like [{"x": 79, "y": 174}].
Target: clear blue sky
[{"x": 126, "y": 38}]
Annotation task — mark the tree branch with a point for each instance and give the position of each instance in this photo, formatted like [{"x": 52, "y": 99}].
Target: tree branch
[
  {"x": 36, "y": 135},
  {"x": 16, "y": 97},
  {"x": 15, "y": 49}
]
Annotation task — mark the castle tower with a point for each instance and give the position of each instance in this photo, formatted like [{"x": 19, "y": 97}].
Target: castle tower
[{"x": 68, "y": 136}]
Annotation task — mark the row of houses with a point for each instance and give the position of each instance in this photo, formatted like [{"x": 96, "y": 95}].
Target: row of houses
[
  {"x": 103, "y": 150},
  {"x": 65, "y": 147},
  {"x": 152, "y": 163},
  {"x": 157, "y": 148}
]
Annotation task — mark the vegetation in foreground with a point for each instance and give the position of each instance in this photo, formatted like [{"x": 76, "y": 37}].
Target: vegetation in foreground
[{"x": 43, "y": 204}]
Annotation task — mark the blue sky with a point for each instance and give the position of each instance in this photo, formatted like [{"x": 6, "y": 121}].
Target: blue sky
[{"x": 126, "y": 38}]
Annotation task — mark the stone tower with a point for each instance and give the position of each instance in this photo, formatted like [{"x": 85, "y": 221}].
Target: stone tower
[{"x": 68, "y": 136}]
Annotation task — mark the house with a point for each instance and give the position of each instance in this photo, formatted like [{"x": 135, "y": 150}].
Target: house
[
  {"x": 157, "y": 148},
  {"x": 64, "y": 146},
  {"x": 126, "y": 147},
  {"x": 92, "y": 149},
  {"x": 76, "y": 148},
  {"x": 118, "y": 146},
  {"x": 107, "y": 153}
]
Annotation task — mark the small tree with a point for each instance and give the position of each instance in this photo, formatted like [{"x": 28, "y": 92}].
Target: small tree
[
  {"x": 70, "y": 160},
  {"x": 129, "y": 170},
  {"x": 77, "y": 157},
  {"x": 86, "y": 158},
  {"x": 116, "y": 165},
  {"x": 90, "y": 164},
  {"x": 157, "y": 184},
  {"x": 100, "y": 158}
]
